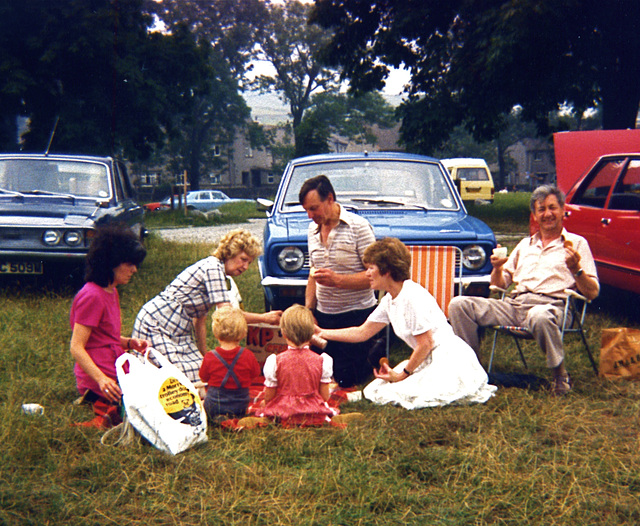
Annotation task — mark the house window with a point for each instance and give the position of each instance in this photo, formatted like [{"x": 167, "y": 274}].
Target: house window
[
  {"x": 248, "y": 152},
  {"x": 537, "y": 156},
  {"x": 149, "y": 179},
  {"x": 270, "y": 178},
  {"x": 216, "y": 150}
]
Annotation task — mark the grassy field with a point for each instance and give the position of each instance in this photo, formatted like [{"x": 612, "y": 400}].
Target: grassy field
[
  {"x": 229, "y": 213},
  {"x": 524, "y": 457}
]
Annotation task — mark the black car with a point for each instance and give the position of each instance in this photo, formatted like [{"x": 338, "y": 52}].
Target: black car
[{"x": 50, "y": 206}]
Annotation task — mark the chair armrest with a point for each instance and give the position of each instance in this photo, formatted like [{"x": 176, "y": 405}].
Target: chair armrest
[{"x": 577, "y": 295}]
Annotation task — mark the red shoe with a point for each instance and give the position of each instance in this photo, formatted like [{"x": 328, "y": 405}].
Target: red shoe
[{"x": 98, "y": 422}]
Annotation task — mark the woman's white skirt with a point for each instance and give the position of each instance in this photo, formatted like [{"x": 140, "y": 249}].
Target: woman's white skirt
[{"x": 451, "y": 374}]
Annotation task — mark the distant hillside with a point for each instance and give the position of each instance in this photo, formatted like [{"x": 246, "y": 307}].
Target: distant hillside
[{"x": 268, "y": 109}]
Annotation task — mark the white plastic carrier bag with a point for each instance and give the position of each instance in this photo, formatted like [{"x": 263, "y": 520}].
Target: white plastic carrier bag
[{"x": 161, "y": 402}]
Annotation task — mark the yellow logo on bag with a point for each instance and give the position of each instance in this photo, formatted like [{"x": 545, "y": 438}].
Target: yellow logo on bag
[{"x": 174, "y": 396}]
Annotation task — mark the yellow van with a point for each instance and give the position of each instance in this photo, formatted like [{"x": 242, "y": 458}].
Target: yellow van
[{"x": 472, "y": 177}]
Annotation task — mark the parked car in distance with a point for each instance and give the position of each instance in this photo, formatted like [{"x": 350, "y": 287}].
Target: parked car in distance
[
  {"x": 472, "y": 178},
  {"x": 50, "y": 206},
  {"x": 603, "y": 206},
  {"x": 165, "y": 204},
  {"x": 406, "y": 196},
  {"x": 205, "y": 200}
]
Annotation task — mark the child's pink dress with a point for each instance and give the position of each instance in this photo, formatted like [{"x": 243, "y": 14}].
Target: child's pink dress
[{"x": 297, "y": 374}]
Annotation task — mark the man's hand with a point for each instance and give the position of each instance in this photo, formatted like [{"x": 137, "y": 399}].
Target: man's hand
[
  {"x": 498, "y": 261},
  {"x": 326, "y": 277},
  {"x": 572, "y": 258}
]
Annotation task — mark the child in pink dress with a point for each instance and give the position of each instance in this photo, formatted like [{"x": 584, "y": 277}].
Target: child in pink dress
[{"x": 297, "y": 380}]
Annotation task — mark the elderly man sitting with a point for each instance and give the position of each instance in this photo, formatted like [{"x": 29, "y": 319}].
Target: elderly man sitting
[{"x": 542, "y": 266}]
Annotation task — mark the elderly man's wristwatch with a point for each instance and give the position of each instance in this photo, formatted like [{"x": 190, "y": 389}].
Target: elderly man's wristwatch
[{"x": 579, "y": 273}]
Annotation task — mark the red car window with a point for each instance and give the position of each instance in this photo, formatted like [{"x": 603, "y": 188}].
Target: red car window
[
  {"x": 626, "y": 195},
  {"x": 596, "y": 192}
]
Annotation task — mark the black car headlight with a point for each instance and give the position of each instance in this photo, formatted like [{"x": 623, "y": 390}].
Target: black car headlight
[
  {"x": 73, "y": 238},
  {"x": 51, "y": 237},
  {"x": 474, "y": 257},
  {"x": 291, "y": 259}
]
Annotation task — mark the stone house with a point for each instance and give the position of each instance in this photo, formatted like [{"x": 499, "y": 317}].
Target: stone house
[{"x": 532, "y": 164}]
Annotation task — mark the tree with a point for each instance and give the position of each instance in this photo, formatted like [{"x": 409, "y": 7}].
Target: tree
[
  {"x": 226, "y": 31},
  {"x": 230, "y": 27},
  {"x": 105, "y": 81},
  {"x": 346, "y": 115},
  {"x": 294, "y": 48},
  {"x": 472, "y": 61}
]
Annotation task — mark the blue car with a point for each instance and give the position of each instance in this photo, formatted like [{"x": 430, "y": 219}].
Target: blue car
[{"x": 410, "y": 197}]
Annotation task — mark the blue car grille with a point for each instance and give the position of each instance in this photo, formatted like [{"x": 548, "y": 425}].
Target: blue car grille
[{"x": 307, "y": 264}]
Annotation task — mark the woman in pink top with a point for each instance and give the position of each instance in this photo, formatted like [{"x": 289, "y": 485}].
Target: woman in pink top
[
  {"x": 297, "y": 380},
  {"x": 113, "y": 258}
]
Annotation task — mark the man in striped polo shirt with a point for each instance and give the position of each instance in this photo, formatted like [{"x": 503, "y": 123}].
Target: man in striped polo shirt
[{"x": 338, "y": 290}]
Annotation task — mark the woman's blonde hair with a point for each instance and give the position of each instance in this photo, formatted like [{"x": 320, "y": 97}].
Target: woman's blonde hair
[
  {"x": 297, "y": 324},
  {"x": 236, "y": 241},
  {"x": 391, "y": 256},
  {"x": 229, "y": 324}
]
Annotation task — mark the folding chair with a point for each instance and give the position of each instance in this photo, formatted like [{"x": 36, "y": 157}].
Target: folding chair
[
  {"x": 575, "y": 309},
  {"x": 437, "y": 269}
]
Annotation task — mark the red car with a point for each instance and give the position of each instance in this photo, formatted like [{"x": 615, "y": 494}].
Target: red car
[
  {"x": 603, "y": 206},
  {"x": 165, "y": 204}
]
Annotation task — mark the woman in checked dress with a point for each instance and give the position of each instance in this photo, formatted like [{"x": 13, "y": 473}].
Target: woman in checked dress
[{"x": 175, "y": 321}]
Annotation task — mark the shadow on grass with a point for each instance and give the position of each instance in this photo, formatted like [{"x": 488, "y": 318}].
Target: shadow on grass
[{"x": 621, "y": 305}]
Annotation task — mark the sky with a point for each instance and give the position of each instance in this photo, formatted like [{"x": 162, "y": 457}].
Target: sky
[{"x": 394, "y": 84}]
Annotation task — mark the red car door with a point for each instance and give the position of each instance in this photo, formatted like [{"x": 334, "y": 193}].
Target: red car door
[
  {"x": 619, "y": 237},
  {"x": 585, "y": 206}
]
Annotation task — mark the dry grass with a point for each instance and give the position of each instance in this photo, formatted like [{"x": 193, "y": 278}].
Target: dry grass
[{"x": 522, "y": 458}]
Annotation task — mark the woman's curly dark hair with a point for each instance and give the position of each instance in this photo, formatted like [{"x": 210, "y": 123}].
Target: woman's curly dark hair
[{"x": 112, "y": 245}]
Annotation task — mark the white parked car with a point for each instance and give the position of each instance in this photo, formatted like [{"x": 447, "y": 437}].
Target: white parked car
[{"x": 205, "y": 200}]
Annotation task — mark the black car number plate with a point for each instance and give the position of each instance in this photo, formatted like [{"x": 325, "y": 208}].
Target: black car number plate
[{"x": 26, "y": 267}]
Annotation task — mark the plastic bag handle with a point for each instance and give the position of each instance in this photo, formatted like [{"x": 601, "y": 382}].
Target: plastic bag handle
[{"x": 158, "y": 356}]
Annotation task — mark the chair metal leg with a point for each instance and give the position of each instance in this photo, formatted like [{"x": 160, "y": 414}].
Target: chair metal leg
[
  {"x": 586, "y": 346},
  {"x": 520, "y": 351},
  {"x": 493, "y": 350}
]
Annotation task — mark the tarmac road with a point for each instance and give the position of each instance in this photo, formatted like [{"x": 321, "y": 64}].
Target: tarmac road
[{"x": 208, "y": 234}]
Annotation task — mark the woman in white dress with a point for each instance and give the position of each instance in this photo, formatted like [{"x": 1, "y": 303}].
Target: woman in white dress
[{"x": 442, "y": 368}]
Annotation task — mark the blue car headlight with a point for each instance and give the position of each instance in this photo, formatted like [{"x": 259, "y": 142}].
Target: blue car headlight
[
  {"x": 474, "y": 257},
  {"x": 291, "y": 259}
]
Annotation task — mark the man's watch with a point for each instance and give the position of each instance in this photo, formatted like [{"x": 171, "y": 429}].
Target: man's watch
[{"x": 579, "y": 273}]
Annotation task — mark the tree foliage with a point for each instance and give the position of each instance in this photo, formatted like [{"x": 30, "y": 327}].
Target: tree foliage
[
  {"x": 346, "y": 115},
  {"x": 231, "y": 27},
  {"x": 94, "y": 66},
  {"x": 294, "y": 49},
  {"x": 472, "y": 61},
  {"x": 226, "y": 30}
]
